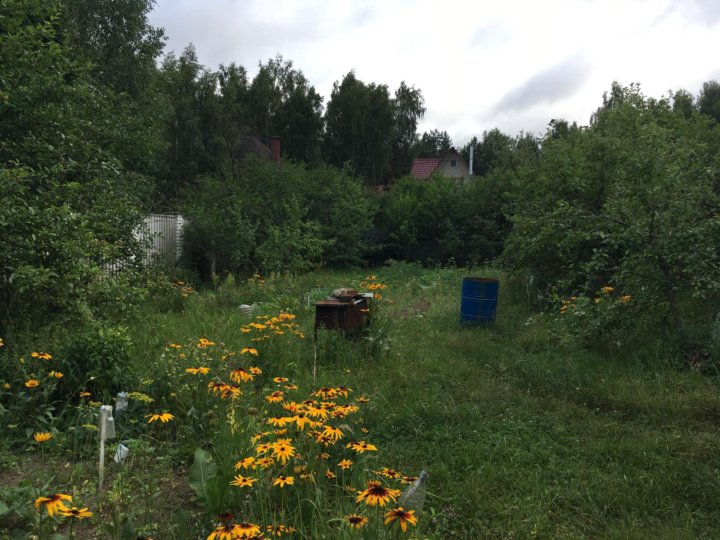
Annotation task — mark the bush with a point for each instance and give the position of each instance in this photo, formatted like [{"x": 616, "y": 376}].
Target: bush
[
  {"x": 68, "y": 206},
  {"x": 583, "y": 320},
  {"x": 439, "y": 220},
  {"x": 294, "y": 247},
  {"x": 631, "y": 200},
  {"x": 276, "y": 217},
  {"x": 97, "y": 361}
]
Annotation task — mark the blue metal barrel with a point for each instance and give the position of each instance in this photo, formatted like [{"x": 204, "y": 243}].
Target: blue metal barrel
[{"x": 479, "y": 300}]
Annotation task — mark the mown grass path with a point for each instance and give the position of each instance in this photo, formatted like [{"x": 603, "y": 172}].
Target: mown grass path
[{"x": 526, "y": 440}]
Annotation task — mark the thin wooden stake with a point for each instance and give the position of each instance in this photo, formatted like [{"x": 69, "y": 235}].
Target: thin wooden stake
[{"x": 314, "y": 361}]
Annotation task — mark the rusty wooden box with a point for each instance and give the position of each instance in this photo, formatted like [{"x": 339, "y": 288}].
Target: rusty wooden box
[{"x": 348, "y": 311}]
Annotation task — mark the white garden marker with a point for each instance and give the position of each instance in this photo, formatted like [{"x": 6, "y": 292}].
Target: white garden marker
[
  {"x": 413, "y": 498},
  {"x": 106, "y": 425},
  {"x": 121, "y": 453}
]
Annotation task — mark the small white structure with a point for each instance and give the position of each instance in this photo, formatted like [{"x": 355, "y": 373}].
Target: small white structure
[
  {"x": 164, "y": 232},
  {"x": 163, "y": 236}
]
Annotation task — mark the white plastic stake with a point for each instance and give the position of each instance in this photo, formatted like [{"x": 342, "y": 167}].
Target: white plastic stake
[{"x": 106, "y": 424}]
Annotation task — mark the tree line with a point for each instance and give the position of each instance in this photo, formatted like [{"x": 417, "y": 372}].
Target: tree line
[{"x": 363, "y": 125}]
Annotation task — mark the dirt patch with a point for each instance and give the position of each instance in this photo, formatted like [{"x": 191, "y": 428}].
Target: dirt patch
[{"x": 418, "y": 308}]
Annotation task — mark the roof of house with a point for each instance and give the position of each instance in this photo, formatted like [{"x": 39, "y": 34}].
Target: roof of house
[
  {"x": 424, "y": 167},
  {"x": 251, "y": 145}
]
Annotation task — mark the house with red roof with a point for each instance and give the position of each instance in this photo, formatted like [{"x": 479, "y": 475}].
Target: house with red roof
[{"x": 451, "y": 165}]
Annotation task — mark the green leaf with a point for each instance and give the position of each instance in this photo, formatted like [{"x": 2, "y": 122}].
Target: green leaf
[
  {"x": 207, "y": 484},
  {"x": 203, "y": 470}
]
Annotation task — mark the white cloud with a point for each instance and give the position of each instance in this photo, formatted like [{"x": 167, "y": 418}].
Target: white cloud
[
  {"x": 549, "y": 86},
  {"x": 514, "y": 65}
]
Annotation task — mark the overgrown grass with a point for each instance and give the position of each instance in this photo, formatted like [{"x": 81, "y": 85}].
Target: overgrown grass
[{"x": 521, "y": 438}]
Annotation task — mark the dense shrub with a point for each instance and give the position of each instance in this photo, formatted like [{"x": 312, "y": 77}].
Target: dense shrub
[
  {"x": 274, "y": 217},
  {"x": 97, "y": 361},
  {"x": 68, "y": 205},
  {"x": 439, "y": 219},
  {"x": 630, "y": 201}
]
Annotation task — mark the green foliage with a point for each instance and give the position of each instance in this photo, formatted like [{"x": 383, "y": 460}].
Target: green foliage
[
  {"x": 282, "y": 103},
  {"x": 190, "y": 89},
  {"x": 214, "y": 110},
  {"x": 709, "y": 100},
  {"x": 683, "y": 103},
  {"x": 292, "y": 247},
  {"x": 433, "y": 143},
  {"x": 276, "y": 217},
  {"x": 219, "y": 227},
  {"x": 631, "y": 201},
  {"x": 338, "y": 202},
  {"x": 232, "y": 102},
  {"x": 209, "y": 486},
  {"x": 69, "y": 207},
  {"x": 117, "y": 40},
  {"x": 441, "y": 220},
  {"x": 98, "y": 360},
  {"x": 39, "y": 245},
  {"x": 359, "y": 128},
  {"x": 120, "y": 48},
  {"x": 493, "y": 152},
  {"x": 409, "y": 107}
]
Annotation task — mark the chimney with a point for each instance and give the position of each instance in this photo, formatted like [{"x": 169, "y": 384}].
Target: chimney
[
  {"x": 472, "y": 152},
  {"x": 275, "y": 148}
]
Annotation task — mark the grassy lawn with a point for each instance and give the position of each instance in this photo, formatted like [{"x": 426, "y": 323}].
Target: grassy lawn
[{"x": 521, "y": 438}]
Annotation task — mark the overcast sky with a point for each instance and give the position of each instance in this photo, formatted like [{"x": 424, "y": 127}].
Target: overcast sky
[{"x": 510, "y": 64}]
